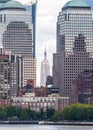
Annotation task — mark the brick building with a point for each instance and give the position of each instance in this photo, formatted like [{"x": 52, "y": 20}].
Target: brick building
[{"x": 82, "y": 88}]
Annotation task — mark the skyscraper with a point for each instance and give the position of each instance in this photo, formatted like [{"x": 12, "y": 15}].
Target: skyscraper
[
  {"x": 16, "y": 29},
  {"x": 45, "y": 70},
  {"x": 16, "y": 35},
  {"x": 32, "y": 8},
  {"x": 8, "y": 75},
  {"x": 74, "y": 44}
]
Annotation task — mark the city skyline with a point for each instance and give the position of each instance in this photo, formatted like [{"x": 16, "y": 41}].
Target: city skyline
[
  {"x": 47, "y": 13},
  {"x": 16, "y": 38}
]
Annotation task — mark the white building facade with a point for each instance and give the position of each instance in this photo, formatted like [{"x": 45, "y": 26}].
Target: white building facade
[{"x": 45, "y": 70}]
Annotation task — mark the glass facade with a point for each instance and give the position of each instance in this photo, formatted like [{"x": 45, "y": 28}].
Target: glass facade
[
  {"x": 32, "y": 10},
  {"x": 16, "y": 32},
  {"x": 74, "y": 46},
  {"x": 17, "y": 38},
  {"x": 70, "y": 25}
]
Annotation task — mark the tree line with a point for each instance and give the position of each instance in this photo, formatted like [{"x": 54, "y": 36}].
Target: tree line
[
  {"x": 17, "y": 113},
  {"x": 74, "y": 112}
]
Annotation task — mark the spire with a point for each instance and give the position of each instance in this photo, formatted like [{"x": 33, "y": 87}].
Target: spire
[{"x": 45, "y": 53}]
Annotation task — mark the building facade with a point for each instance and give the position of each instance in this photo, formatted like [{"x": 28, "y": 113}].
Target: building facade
[
  {"x": 74, "y": 44},
  {"x": 45, "y": 70},
  {"x": 29, "y": 70},
  {"x": 16, "y": 36},
  {"x": 82, "y": 88},
  {"x": 36, "y": 103},
  {"x": 32, "y": 9},
  {"x": 8, "y": 76},
  {"x": 16, "y": 29}
]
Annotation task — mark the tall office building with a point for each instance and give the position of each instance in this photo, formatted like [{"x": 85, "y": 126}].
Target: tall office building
[
  {"x": 32, "y": 8},
  {"x": 16, "y": 34},
  {"x": 29, "y": 70},
  {"x": 16, "y": 29},
  {"x": 45, "y": 70},
  {"x": 74, "y": 44}
]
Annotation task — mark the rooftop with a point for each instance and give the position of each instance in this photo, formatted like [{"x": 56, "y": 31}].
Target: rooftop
[
  {"x": 4, "y": 1},
  {"x": 89, "y": 2},
  {"x": 13, "y": 5},
  {"x": 76, "y": 3}
]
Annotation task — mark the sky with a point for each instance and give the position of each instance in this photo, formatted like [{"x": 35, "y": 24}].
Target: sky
[{"x": 47, "y": 12}]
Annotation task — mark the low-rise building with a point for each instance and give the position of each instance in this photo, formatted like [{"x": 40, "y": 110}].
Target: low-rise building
[{"x": 36, "y": 103}]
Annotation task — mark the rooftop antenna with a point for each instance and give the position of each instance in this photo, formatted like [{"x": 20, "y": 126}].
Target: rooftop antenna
[{"x": 45, "y": 53}]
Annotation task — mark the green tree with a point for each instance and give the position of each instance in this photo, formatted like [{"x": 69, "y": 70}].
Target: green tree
[
  {"x": 18, "y": 111},
  {"x": 10, "y": 110},
  {"x": 50, "y": 113},
  {"x": 42, "y": 114},
  {"x": 57, "y": 116},
  {"x": 3, "y": 115},
  {"x": 24, "y": 114}
]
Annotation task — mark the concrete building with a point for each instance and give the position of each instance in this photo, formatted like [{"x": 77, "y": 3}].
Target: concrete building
[
  {"x": 8, "y": 76},
  {"x": 36, "y": 103},
  {"x": 31, "y": 7},
  {"x": 49, "y": 80},
  {"x": 82, "y": 88},
  {"x": 29, "y": 69},
  {"x": 45, "y": 70},
  {"x": 74, "y": 44}
]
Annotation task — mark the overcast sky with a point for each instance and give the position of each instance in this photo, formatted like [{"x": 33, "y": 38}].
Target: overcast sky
[{"x": 47, "y": 12}]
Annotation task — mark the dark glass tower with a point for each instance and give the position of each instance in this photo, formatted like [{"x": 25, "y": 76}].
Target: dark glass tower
[{"x": 32, "y": 10}]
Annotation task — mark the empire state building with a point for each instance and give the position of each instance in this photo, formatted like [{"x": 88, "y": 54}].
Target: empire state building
[{"x": 45, "y": 70}]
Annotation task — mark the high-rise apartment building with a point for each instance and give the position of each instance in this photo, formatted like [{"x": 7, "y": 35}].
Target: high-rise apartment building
[
  {"x": 8, "y": 75},
  {"x": 74, "y": 44},
  {"x": 29, "y": 70},
  {"x": 45, "y": 70}
]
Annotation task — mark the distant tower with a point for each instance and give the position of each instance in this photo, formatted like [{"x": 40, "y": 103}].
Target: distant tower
[{"x": 45, "y": 70}]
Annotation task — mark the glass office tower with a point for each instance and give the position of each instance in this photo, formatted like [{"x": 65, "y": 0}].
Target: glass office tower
[
  {"x": 74, "y": 44},
  {"x": 31, "y": 8},
  {"x": 16, "y": 29},
  {"x": 16, "y": 36}
]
